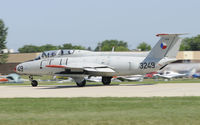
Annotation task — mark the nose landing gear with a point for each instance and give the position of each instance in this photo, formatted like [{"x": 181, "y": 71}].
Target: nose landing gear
[{"x": 34, "y": 83}]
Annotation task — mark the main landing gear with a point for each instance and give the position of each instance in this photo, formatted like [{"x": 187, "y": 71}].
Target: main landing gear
[
  {"x": 81, "y": 84},
  {"x": 106, "y": 80},
  {"x": 80, "y": 81},
  {"x": 34, "y": 83}
]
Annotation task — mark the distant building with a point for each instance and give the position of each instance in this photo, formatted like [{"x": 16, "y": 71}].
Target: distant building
[
  {"x": 14, "y": 59},
  {"x": 189, "y": 56},
  {"x": 7, "y": 51}
]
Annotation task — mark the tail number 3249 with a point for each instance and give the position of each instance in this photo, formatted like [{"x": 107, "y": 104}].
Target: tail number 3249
[{"x": 147, "y": 65}]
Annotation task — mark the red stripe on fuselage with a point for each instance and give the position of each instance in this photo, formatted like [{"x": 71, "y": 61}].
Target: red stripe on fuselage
[{"x": 55, "y": 66}]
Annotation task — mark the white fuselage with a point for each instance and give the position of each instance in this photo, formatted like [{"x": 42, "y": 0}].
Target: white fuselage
[{"x": 123, "y": 63}]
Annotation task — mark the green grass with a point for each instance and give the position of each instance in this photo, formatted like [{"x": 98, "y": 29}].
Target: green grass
[{"x": 100, "y": 111}]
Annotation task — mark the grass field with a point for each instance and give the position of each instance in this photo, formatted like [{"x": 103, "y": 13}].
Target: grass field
[{"x": 100, "y": 111}]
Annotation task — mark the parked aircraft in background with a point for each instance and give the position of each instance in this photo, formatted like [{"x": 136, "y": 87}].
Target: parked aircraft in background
[
  {"x": 65, "y": 80},
  {"x": 172, "y": 74},
  {"x": 131, "y": 78},
  {"x": 93, "y": 79},
  {"x": 11, "y": 78},
  {"x": 99, "y": 79},
  {"x": 3, "y": 79},
  {"x": 150, "y": 75},
  {"x": 79, "y": 64},
  {"x": 196, "y": 75},
  {"x": 169, "y": 75}
]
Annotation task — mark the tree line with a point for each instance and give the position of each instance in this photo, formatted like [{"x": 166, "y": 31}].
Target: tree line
[
  {"x": 188, "y": 44},
  {"x": 47, "y": 47},
  {"x": 106, "y": 45}
]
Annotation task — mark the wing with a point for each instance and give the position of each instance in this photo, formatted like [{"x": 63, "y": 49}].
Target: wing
[{"x": 88, "y": 68}]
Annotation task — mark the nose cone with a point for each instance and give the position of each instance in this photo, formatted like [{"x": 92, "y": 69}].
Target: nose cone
[
  {"x": 28, "y": 68},
  {"x": 19, "y": 68}
]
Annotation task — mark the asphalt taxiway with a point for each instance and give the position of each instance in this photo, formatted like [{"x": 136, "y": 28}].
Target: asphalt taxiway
[{"x": 129, "y": 90}]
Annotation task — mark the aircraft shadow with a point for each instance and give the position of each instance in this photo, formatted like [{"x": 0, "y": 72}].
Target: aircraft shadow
[{"x": 87, "y": 86}]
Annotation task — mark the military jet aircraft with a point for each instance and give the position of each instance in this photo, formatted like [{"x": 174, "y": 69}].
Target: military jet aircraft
[{"x": 79, "y": 64}]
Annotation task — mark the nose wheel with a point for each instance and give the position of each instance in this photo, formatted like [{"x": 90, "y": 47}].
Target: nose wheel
[{"x": 34, "y": 83}]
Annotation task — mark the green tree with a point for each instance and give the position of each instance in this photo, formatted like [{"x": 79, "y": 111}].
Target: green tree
[
  {"x": 66, "y": 46},
  {"x": 70, "y": 46},
  {"x": 4, "y": 58},
  {"x": 29, "y": 49},
  {"x": 79, "y": 47},
  {"x": 3, "y": 35},
  {"x": 107, "y": 45},
  {"x": 144, "y": 46},
  {"x": 47, "y": 47},
  {"x": 33, "y": 48},
  {"x": 191, "y": 44}
]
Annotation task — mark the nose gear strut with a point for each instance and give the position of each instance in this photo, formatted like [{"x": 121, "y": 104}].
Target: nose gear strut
[{"x": 34, "y": 83}]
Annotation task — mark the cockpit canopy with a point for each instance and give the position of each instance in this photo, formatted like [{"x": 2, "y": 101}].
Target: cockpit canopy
[{"x": 54, "y": 53}]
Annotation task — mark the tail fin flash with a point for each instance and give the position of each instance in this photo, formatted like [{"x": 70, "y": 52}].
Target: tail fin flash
[{"x": 167, "y": 46}]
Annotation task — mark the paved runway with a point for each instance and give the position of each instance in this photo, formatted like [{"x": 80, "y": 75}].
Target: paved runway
[{"x": 131, "y": 90}]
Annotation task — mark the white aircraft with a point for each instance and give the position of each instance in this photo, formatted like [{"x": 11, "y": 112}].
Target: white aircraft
[
  {"x": 169, "y": 75},
  {"x": 99, "y": 79},
  {"x": 93, "y": 79},
  {"x": 131, "y": 78},
  {"x": 11, "y": 78},
  {"x": 172, "y": 74},
  {"x": 79, "y": 64}
]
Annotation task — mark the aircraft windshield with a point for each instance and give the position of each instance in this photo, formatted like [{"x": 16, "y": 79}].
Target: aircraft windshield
[{"x": 53, "y": 53}]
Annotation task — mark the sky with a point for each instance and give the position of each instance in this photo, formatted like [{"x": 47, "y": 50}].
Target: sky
[{"x": 87, "y": 22}]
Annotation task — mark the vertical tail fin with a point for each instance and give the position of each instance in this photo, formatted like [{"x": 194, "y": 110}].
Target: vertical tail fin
[{"x": 167, "y": 46}]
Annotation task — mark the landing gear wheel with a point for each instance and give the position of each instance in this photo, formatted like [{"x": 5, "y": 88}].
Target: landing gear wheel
[
  {"x": 106, "y": 80},
  {"x": 34, "y": 83},
  {"x": 81, "y": 84}
]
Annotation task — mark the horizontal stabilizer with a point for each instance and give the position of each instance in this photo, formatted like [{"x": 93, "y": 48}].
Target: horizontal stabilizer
[{"x": 167, "y": 35}]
